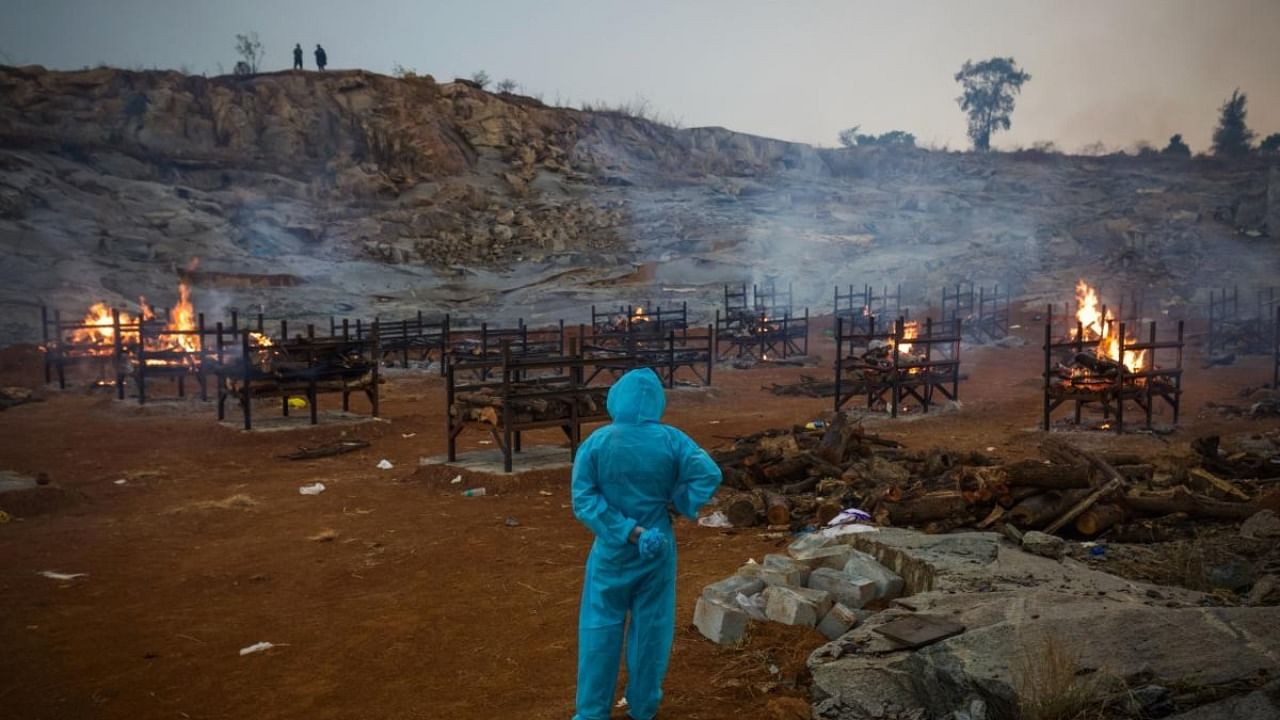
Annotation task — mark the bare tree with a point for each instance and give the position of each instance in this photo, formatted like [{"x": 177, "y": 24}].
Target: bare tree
[
  {"x": 249, "y": 48},
  {"x": 480, "y": 78},
  {"x": 507, "y": 86}
]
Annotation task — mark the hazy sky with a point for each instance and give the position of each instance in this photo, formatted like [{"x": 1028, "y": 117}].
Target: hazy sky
[{"x": 1118, "y": 71}]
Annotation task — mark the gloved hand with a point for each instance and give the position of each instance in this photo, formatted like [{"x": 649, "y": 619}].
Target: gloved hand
[{"x": 652, "y": 543}]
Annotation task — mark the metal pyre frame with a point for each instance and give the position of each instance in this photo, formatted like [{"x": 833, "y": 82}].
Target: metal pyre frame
[
  {"x": 297, "y": 367},
  {"x": 517, "y": 394},
  {"x": 758, "y": 330},
  {"x": 620, "y": 352},
  {"x": 983, "y": 315},
  {"x": 857, "y": 307},
  {"x": 416, "y": 337},
  {"x": 1234, "y": 330},
  {"x": 886, "y": 375},
  {"x": 1106, "y": 382}
]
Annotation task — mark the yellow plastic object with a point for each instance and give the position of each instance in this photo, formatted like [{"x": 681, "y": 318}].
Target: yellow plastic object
[
  {"x": 297, "y": 403},
  {"x": 5, "y": 517}
]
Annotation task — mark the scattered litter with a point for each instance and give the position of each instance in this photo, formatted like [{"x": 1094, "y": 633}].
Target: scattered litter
[
  {"x": 5, "y": 517},
  {"x": 991, "y": 448},
  {"x": 850, "y": 529},
  {"x": 337, "y": 448},
  {"x": 622, "y": 703},
  {"x": 815, "y": 425},
  {"x": 714, "y": 422},
  {"x": 53, "y": 575},
  {"x": 545, "y": 492},
  {"x": 456, "y": 479},
  {"x": 716, "y": 519},
  {"x": 297, "y": 403},
  {"x": 121, "y": 481},
  {"x": 312, "y": 489},
  {"x": 256, "y": 647},
  {"x": 406, "y": 436},
  {"x": 850, "y": 515},
  {"x": 326, "y": 535},
  {"x": 473, "y": 492},
  {"x": 512, "y": 522},
  {"x": 486, "y": 442},
  {"x": 385, "y": 464}
]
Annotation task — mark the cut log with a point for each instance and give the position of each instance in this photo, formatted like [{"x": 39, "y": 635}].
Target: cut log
[
  {"x": 797, "y": 488},
  {"x": 827, "y": 511},
  {"x": 1034, "y": 473},
  {"x": 929, "y": 507},
  {"x": 1039, "y": 510},
  {"x": 742, "y": 511},
  {"x": 1182, "y": 500},
  {"x": 1114, "y": 482},
  {"x": 777, "y": 508},
  {"x": 787, "y": 470},
  {"x": 832, "y": 446},
  {"x": 1209, "y": 481},
  {"x": 1099, "y": 518}
]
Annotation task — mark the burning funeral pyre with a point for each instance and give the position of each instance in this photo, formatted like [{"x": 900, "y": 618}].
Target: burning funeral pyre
[{"x": 1101, "y": 363}]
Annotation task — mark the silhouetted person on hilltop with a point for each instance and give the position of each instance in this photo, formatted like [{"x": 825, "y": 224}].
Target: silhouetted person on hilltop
[
  {"x": 321, "y": 58},
  {"x": 297, "y": 56}
]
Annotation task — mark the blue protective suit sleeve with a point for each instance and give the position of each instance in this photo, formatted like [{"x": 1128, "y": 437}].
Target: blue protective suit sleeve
[
  {"x": 589, "y": 504},
  {"x": 698, "y": 479}
]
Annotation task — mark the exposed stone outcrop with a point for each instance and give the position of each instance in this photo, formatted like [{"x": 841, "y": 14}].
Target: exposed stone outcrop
[{"x": 383, "y": 195}]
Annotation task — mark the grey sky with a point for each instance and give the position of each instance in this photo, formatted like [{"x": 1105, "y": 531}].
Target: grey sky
[{"x": 1111, "y": 70}]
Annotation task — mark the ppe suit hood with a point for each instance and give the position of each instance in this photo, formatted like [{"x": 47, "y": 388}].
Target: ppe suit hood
[{"x": 637, "y": 398}]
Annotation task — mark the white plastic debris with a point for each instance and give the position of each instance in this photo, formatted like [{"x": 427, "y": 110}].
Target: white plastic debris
[
  {"x": 622, "y": 703},
  {"x": 121, "y": 481},
  {"x": 716, "y": 519},
  {"x": 850, "y": 515},
  {"x": 385, "y": 464},
  {"x": 312, "y": 489},
  {"x": 545, "y": 492},
  {"x": 991, "y": 448},
  {"x": 456, "y": 479},
  {"x": 406, "y": 436},
  {"x": 256, "y": 647},
  {"x": 53, "y": 575},
  {"x": 850, "y": 529}
]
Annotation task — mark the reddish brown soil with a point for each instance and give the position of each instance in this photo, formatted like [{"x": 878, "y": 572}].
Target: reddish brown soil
[{"x": 423, "y": 604}]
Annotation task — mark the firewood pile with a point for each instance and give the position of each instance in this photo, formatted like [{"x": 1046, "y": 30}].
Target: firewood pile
[
  {"x": 798, "y": 477},
  {"x": 485, "y": 405},
  {"x": 1091, "y": 373}
]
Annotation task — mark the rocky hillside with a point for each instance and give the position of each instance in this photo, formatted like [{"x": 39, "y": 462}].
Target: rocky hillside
[{"x": 305, "y": 194}]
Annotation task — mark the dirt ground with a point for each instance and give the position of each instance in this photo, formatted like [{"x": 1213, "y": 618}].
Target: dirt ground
[{"x": 390, "y": 595}]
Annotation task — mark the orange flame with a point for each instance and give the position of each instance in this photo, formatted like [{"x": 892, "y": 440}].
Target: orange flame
[
  {"x": 1104, "y": 329},
  {"x": 910, "y": 331}
]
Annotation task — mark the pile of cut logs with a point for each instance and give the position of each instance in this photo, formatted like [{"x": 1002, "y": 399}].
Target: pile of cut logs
[
  {"x": 485, "y": 405},
  {"x": 799, "y": 477}
]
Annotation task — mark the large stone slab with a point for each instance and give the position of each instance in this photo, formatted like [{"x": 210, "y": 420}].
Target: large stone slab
[{"x": 719, "y": 622}]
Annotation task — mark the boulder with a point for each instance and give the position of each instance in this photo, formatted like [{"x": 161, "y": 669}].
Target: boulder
[
  {"x": 1262, "y": 525},
  {"x": 1044, "y": 544}
]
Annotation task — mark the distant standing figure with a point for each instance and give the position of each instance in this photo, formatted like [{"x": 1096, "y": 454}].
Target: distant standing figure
[
  {"x": 321, "y": 58},
  {"x": 297, "y": 56}
]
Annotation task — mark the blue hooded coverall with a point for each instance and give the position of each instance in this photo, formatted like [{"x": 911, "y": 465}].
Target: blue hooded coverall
[{"x": 625, "y": 476}]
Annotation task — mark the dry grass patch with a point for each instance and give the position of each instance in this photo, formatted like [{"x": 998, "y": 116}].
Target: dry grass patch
[
  {"x": 1052, "y": 684},
  {"x": 239, "y": 501}
]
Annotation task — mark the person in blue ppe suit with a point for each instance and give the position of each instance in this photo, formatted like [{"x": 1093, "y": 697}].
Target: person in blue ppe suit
[{"x": 625, "y": 477}]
